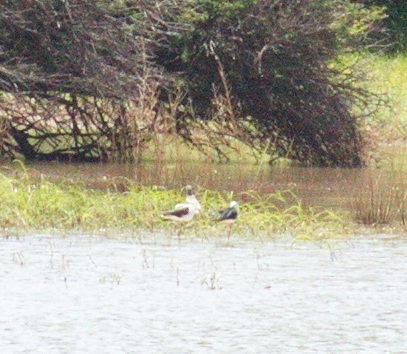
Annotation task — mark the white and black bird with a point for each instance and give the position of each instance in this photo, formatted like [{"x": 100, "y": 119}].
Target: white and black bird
[
  {"x": 184, "y": 212},
  {"x": 229, "y": 216}
]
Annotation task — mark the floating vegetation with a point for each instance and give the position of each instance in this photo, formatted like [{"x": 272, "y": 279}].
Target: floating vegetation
[{"x": 33, "y": 204}]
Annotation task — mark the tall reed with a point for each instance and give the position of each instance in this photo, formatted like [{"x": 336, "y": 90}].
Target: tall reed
[{"x": 380, "y": 204}]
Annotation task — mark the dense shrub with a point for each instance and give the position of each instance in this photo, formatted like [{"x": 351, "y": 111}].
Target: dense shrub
[
  {"x": 74, "y": 69},
  {"x": 272, "y": 58},
  {"x": 99, "y": 79}
]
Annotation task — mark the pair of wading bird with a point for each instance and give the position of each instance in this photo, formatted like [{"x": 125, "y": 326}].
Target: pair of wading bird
[{"x": 184, "y": 212}]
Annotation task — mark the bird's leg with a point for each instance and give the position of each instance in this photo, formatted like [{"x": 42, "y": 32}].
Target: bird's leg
[
  {"x": 180, "y": 229},
  {"x": 229, "y": 231}
]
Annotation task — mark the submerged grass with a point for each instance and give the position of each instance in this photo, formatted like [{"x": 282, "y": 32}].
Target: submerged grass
[{"x": 41, "y": 204}]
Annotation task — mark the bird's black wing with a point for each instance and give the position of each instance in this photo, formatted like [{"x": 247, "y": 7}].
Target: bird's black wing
[
  {"x": 177, "y": 212},
  {"x": 227, "y": 214}
]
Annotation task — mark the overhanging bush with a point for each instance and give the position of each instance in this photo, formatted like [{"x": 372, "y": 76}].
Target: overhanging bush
[
  {"x": 274, "y": 60},
  {"x": 72, "y": 71},
  {"x": 260, "y": 71}
]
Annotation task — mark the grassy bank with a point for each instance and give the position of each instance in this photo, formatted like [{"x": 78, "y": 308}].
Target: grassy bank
[
  {"x": 38, "y": 205},
  {"x": 387, "y": 76}
]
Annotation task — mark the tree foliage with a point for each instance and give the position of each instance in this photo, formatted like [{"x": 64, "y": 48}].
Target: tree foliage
[
  {"x": 395, "y": 21},
  {"x": 272, "y": 59},
  {"x": 99, "y": 79},
  {"x": 74, "y": 68},
  {"x": 97, "y": 48}
]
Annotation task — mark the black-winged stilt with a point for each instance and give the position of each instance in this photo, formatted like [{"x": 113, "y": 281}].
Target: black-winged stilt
[
  {"x": 229, "y": 216},
  {"x": 184, "y": 212}
]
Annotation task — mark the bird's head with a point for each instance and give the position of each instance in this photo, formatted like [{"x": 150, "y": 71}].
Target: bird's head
[
  {"x": 188, "y": 190},
  {"x": 234, "y": 204}
]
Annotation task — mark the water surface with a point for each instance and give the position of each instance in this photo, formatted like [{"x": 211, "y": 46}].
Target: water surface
[
  {"x": 321, "y": 187},
  {"x": 158, "y": 295}
]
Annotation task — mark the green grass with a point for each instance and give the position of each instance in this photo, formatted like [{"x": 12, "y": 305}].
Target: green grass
[
  {"x": 42, "y": 205},
  {"x": 387, "y": 76}
]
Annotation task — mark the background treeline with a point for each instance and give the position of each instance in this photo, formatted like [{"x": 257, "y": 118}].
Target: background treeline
[
  {"x": 395, "y": 22},
  {"x": 100, "y": 80}
]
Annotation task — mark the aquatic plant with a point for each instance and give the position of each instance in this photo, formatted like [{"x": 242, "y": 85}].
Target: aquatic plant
[
  {"x": 380, "y": 204},
  {"x": 28, "y": 203}
]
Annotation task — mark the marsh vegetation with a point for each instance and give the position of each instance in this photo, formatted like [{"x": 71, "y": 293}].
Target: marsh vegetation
[
  {"x": 304, "y": 202},
  {"x": 125, "y": 207}
]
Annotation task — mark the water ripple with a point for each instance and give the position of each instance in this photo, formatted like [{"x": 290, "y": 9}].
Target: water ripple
[{"x": 84, "y": 294}]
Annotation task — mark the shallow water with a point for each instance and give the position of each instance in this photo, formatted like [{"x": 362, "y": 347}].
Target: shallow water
[
  {"x": 158, "y": 295},
  {"x": 321, "y": 187}
]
